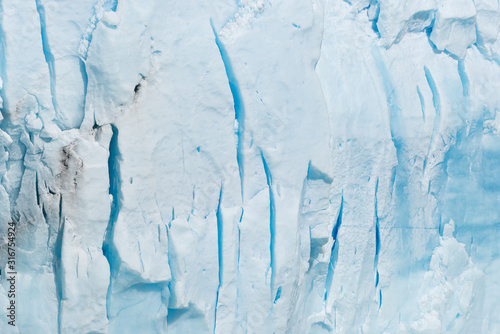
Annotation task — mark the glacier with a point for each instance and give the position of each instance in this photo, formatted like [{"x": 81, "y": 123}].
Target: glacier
[{"x": 250, "y": 166}]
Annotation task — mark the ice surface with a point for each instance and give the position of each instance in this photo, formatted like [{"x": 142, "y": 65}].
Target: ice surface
[{"x": 252, "y": 166}]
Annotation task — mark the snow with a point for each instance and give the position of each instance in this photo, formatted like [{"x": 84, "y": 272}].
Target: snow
[{"x": 250, "y": 167}]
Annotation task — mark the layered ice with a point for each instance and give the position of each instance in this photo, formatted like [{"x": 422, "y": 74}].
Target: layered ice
[{"x": 264, "y": 166}]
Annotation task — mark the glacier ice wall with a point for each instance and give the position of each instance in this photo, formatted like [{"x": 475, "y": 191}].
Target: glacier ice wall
[{"x": 251, "y": 166}]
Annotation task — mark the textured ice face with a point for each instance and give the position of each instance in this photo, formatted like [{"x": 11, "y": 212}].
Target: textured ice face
[{"x": 261, "y": 166}]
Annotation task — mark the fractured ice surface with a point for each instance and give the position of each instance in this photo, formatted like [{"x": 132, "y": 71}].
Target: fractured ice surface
[{"x": 259, "y": 166}]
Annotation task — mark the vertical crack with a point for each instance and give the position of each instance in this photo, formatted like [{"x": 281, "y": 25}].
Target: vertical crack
[
  {"x": 395, "y": 121},
  {"x": 377, "y": 247},
  {"x": 272, "y": 222},
  {"x": 57, "y": 264},
  {"x": 422, "y": 102},
  {"x": 435, "y": 94},
  {"x": 377, "y": 235},
  {"x": 335, "y": 250},
  {"x": 3, "y": 67},
  {"x": 140, "y": 255},
  {"x": 278, "y": 295},
  {"x": 464, "y": 79},
  {"x": 49, "y": 57},
  {"x": 239, "y": 109},
  {"x": 436, "y": 101},
  {"x": 398, "y": 133},
  {"x": 85, "y": 79},
  {"x": 373, "y": 15},
  {"x": 219, "y": 253},
  {"x": 239, "y": 127},
  {"x": 238, "y": 264},
  {"x": 108, "y": 247}
]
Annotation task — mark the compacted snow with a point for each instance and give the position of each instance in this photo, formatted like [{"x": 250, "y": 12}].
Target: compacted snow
[{"x": 251, "y": 166}]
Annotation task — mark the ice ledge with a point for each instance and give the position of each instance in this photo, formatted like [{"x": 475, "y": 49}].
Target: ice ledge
[{"x": 452, "y": 25}]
